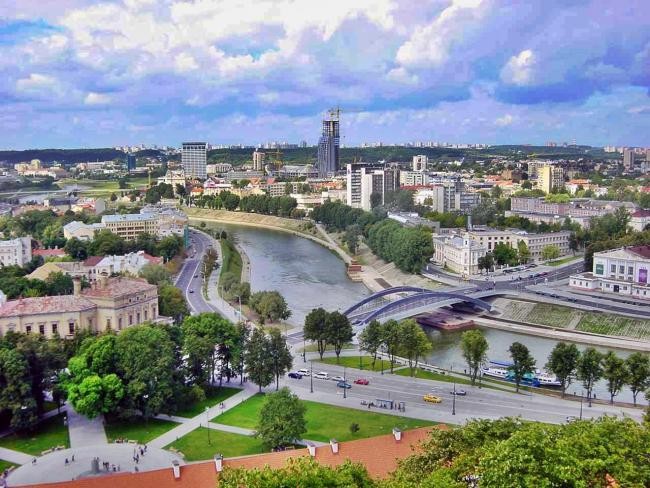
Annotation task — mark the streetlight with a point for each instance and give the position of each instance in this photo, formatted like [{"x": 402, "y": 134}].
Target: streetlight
[
  {"x": 304, "y": 349},
  {"x": 453, "y": 401},
  {"x": 345, "y": 385},
  {"x": 311, "y": 376},
  {"x": 207, "y": 422},
  {"x": 382, "y": 365},
  {"x": 146, "y": 397},
  {"x": 581, "y": 396}
]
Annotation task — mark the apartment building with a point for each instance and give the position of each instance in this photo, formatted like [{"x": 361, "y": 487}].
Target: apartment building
[
  {"x": 194, "y": 159},
  {"x": 579, "y": 210},
  {"x": 413, "y": 178},
  {"x": 130, "y": 226},
  {"x": 16, "y": 251},
  {"x": 489, "y": 238},
  {"x": 550, "y": 177},
  {"x": 258, "y": 160}
]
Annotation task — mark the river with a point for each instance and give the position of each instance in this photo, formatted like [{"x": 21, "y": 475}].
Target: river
[{"x": 309, "y": 276}]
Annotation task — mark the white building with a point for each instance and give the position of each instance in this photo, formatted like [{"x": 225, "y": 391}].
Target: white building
[
  {"x": 194, "y": 159},
  {"x": 379, "y": 182},
  {"x": 535, "y": 243},
  {"x": 420, "y": 163},
  {"x": 640, "y": 219},
  {"x": 16, "y": 251},
  {"x": 623, "y": 271},
  {"x": 258, "y": 160},
  {"x": 413, "y": 178},
  {"x": 173, "y": 178},
  {"x": 459, "y": 254},
  {"x": 82, "y": 231}
]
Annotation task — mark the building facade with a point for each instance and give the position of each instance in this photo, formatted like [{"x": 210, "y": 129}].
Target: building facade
[
  {"x": 16, "y": 252},
  {"x": 622, "y": 271},
  {"x": 328, "y": 145},
  {"x": 258, "y": 160},
  {"x": 550, "y": 177},
  {"x": 194, "y": 159},
  {"x": 130, "y": 226},
  {"x": 111, "y": 303},
  {"x": 413, "y": 178},
  {"x": 420, "y": 163},
  {"x": 379, "y": 182},
  {"x": 130, "y": 162},
  {"x": 460, "y": 254}
]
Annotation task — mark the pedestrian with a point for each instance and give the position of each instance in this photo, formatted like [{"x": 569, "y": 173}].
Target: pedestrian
[
  {"x": 73, "y": 458},
  {"x": 145, "y": 448},
  {"x": 34, "y": 461},
  {"x": 136, "y": 469},
  {"x": 66, "y": 461},
  {"x": 118, "y": 467}
]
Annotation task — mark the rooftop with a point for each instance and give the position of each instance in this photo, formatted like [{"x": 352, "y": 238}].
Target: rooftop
[
  {"x": 378, "y": 454},
  {"x": 43, "y": 305},
  {"x": 632, "y": 252},
  {"x": 127, "y": 218},
  {"x": 116, "y": 287}
]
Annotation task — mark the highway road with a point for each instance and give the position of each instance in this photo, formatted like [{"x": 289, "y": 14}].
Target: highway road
[
  {"x": 189, "y": 279},
  {"x": 478, "y": 403}
]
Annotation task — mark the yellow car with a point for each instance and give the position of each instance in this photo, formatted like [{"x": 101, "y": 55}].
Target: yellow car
[{"x": 431, "y": 398}]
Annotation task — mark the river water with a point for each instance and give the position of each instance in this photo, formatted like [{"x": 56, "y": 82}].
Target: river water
[{"x": 309, "y": 276}]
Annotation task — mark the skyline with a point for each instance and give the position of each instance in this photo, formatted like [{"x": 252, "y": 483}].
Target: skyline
[{"x": 101, "y": 74}]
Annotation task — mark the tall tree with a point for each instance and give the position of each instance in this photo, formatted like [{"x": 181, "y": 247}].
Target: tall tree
[
  {"x": 638, "y": 365},
  {"x": 315, "y": 329},
  {"x": 257, "y": 359},
  {"x": 392, "y": 340},
  {"x": 171, "y": 302},
  {"x": 562, "y": 362},
  {"x": 16, "y": 390},
  {"x": 270, "y": 305},
  {"x": 550, "y": 252},
  {"x": 282, "y": 419},
  {"x": 339, "y": 331},
  {"x": 474, "y": 347},
  {"x": 413, "y": 342},
  {"x": 615, "y": 373},
  {"x": 371, "y": 339},
  {"x": 590, "y": 369},
  {"x": 523, "y": 251},
  {"x": 523, "y": 362},
  {"x": 280, "y": 355}
]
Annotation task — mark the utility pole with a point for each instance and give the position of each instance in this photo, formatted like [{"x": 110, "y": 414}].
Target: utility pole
[
  {"x": 581, "y": 396},
  {"x": 345, "y": 385},
  {"x": 207, "y": 421},
  {"x": 311, "y": 376},
  {"x": 453, "y": 401}
]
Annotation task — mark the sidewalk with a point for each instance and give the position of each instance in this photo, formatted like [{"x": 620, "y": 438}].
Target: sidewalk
[
  {"x": 15, "y": 457},
  {"x": 202, "y": 419},
  {"x": 85, "y": 432}
]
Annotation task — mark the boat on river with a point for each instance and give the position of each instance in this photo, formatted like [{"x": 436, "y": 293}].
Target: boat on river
[{"x": 499, "y": 370}]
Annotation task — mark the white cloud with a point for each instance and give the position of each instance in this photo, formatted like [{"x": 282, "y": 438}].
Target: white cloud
[
  {"x": 185, "y": 62},
  {"x": 38, "y": 83},
  {"x": 93, "y": 98},
  {"x": 520, "y": 69},
  {"x": 640, "y": 109},
  {"x": 504, "y": 121}
]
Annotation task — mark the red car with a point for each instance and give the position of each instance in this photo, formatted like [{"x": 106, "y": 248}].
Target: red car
[{"x": 361, "y": 381}]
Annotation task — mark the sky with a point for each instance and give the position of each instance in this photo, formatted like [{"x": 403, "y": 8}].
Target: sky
[{"x": 78, "y": 73}]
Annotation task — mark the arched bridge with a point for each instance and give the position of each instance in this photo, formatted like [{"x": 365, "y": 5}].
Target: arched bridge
[{"x": 406, "y": 301}]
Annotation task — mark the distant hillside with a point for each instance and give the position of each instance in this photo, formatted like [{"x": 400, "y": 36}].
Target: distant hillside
[{"x": 66, "y": 156}]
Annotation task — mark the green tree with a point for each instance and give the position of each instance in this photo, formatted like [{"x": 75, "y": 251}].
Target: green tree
[
  {"x": 474, "y": 347},
  {"x": 96, "y": 395},
  {"x": 106, "y": 243},
  {"x": 414, "y": 342},
  {"x": 638, "y": 365},
  {"x": 280, "y": 355},
  {"x": 16, "y": 391},
  {"x": 562, "y": 362},
  {"x": 526, "y": 185},
  {"x": 351, "y": 238},
  {"x": 590, "y": 369},
  {"x": 504, "y": 254},
  {"x": 339, "y": 331},
  {"x": 486, "y": 262},
  {"x": 155, "y": 274},
  {"x": 375, "y": 199},
  {"x": 76, "y": 249},
  {"x": 550, "y": 251},
  {"x": 391, "y": 332},
  {"x": 113, "y": 197},
  {"x": 615, "y": 373},
  {"x": 315, "y": 329},
  {"x": 171, "y": 302},
  {"x": 270, "y": 305},
  {"x": 523, "y": 251},
  {"x": 257, "y": 359},
  {"x": 59, "y": 284},
  {"x": 371, "y": 339},
  {"x": 282, "y": 419},
  {"x": 523, "y": 362}
]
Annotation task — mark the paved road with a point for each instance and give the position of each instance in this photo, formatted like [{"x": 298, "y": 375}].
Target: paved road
[
  {"x": 479, "y": 403},
  {"x": 84, "y": 431}
]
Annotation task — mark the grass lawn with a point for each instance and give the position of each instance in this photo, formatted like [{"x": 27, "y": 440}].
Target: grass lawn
[
  {"x": 325, "y": 422},
  {"x": 614, "y": 325},
  {"x": 137, "y": 429},
  {"x": 561, "y": 261},
  {"x": 5, "y": 465},
  {"x": 48, "y": 434},
  {"x": 195, "y": 447},
  {"x": 231, "y": 259},
  {"x": 353, "y": 362},
  {"x": 313, "y": 347},
  {"x": 553, "y": 315},
  {"x": 213, "y": 396}
]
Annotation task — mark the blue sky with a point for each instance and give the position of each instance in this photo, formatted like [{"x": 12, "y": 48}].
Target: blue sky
[{"x": 76, "y": 73}]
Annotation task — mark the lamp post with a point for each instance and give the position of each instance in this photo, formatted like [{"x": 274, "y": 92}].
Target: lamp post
[
  {"x": 581, "y": 396},
  {"x": 207, "y": 421},
  {"x": 345, "y": 385},
  {"x": 382, "y": 365},
  {"x": 144, "y": 410},
  {"x": 453, "y": 401},
  {"x": 304, "y": 350},
  {"x": 311, "y": 376}
]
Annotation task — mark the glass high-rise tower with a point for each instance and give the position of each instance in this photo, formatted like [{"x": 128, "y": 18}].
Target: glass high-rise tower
[
  {"x": 194, "y": 159},
  {"x": 328, "y": 145}
]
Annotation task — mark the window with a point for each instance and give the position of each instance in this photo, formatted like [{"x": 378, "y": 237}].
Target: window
[
  {"x": 130, "y": 319},
  {"x": 108, "y": 323},
  {"x": 55, "y": 328},
  {"x": 28, "y": 329},
  {"x": 71, "y": 327},
  {"x": 145, "y": 314},
  {"x": 612, "y": 268},
  {"x": 621, "y": 269},
  {"x": 41, "y": 329},
  {"x": 138, "y": 317},
  {"x": 630, "y": 270},
  {"x": 90, "y": 323},
  {"x": 119, "y": 323}
]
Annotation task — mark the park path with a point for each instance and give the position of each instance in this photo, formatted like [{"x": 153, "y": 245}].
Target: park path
[
  {"x": 200, "y": 420},
  {"x": 15, "y": 457},
  {"x": 85, "y": 432}
]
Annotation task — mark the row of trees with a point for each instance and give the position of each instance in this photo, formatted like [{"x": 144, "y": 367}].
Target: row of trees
[
  {"x": 225, "y": 200},
  {"x": 408, "y": 247},
  {"x": 566, "y": 362},
  {"x": 282, "y": 206},
  {"x": 327, "y": 329},
  {"x": 106, "y": 243},
  {"x": 405, "y": 338}
]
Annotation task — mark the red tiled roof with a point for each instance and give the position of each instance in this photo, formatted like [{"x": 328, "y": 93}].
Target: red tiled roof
[
  {"x": 93, "y": 260},
  {"x": 48, "y": 252},
  {"x": 152, "y": 259},
  {"x": 378, "y": 454},
  {"x": 57, "y": 304},
  {"x": 641, "y": 213}
]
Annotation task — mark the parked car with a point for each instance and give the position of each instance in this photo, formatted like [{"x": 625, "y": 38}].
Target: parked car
[
  {"x": 458, "y": 392},
  {"x": 361, "y": 381},
  {"x": 344, "y": 384},
  {"x": 295, "y": 375},
  {"x": 337, "y": 378},
  {"x": 321, "y": 375},
  {"x": 303, "y": 372},
  {"x": 571, "y": 418},
  {"x": 431, "y": 398},
  {"x": 191, "y": 291}
]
